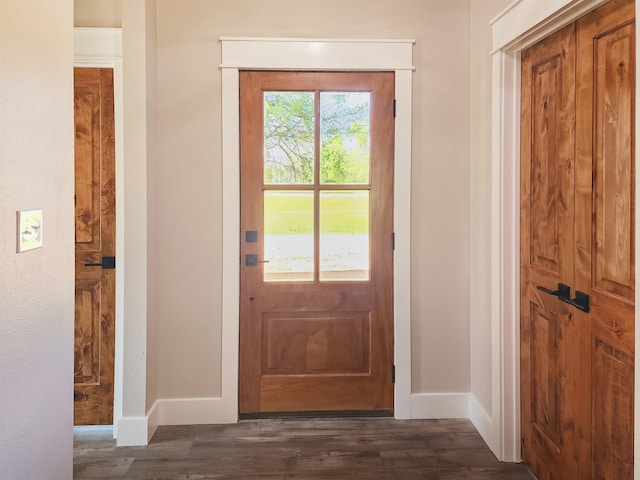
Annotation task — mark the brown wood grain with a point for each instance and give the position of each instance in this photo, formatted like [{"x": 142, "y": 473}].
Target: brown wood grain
[
  {"x": 335, "y": 349},
  {"x": 605, "y": 236},
  {"x": 95, "y": 238},
  {"x": 578, "y": 228},
  {"x": 546, "y": 224}
]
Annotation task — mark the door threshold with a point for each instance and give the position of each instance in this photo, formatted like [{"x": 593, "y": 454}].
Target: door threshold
[{"x": 317, "y": 414}]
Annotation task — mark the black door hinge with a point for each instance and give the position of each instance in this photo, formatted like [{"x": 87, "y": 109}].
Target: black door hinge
[
  {"x": 393, "y": 374},
  {"x": 394, "y": 108},
  {"x": 393, "y": 240}
]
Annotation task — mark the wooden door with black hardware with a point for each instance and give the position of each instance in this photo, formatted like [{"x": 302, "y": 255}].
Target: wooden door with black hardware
[
  {"x": 95, "y": 246},
  {"x": 316, "y": 321},
  {"x": 578, "y": 229},
  {"x": 546, "y": 233}
]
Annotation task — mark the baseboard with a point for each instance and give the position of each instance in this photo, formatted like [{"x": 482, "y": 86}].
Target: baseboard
[
  {"x": 133, "y": 431},
  {"x": 153, "y": 416},
  {"x": 481, "y": 420},
  {"x": 439, "y": 405},
  {"x": 193, "y": 411}
]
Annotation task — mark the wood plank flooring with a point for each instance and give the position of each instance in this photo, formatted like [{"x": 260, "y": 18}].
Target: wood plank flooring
[{"x": 346, "y": 448}]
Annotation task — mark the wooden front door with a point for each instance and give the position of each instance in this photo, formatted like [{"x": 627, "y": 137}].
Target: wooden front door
[
  {"x": 316, "y": 312},
  {"x": 95, "y": 246},
  {"x": 577, "y": 248}
]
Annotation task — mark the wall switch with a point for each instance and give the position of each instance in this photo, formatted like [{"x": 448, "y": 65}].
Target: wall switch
[{"x": 29, "y": 230}]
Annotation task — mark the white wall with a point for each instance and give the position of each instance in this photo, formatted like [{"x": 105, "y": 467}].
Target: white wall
[
  {"x": 139, "y": 92},
  {"x": 189, "y": 174},
  {"x": 36, "y": 287},
  {"x": 482, "y": 12},
  {"x": 97, "y": 13},
  {"x": 153, "y": 216}
]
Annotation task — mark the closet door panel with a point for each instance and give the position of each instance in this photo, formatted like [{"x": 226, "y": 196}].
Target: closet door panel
[
  {"x": 546, "y": 224},
  {"x": 605, "y": 240}
]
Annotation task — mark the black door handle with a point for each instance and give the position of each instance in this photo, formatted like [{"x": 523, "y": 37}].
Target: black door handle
[
  {"x": 108, "y": 263},
  {"x": 581, "y": 302},
  {"x": 251, "y": 260},
  {"x": 563, "y": 291}
]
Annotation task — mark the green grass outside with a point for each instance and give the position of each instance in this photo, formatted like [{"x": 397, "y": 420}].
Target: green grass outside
[{"x": 292, "y": 212}]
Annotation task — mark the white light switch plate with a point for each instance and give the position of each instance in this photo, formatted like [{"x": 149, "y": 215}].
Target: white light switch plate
[{"x": 29, "y": 230}]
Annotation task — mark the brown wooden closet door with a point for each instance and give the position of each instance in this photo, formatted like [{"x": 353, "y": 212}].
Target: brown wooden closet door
[
  {"x": 605, "y": 240},
  {"x": 578, "y": 229},
  {"x": 546, "y": 223},
  {"x": 94, "y": 239}
]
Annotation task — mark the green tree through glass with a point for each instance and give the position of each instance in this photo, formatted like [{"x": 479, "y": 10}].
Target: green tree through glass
[
  {"x": 289, "y": 137},
  {"x": 344, "y": 134}
]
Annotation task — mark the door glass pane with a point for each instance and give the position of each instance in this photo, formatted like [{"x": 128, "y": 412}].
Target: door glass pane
[
  {"x": 344, "y": 137},
  {"x": 288, "y": 237},
  {"x": 288, "y": 138},
  {"x": 344, "y": 235}
]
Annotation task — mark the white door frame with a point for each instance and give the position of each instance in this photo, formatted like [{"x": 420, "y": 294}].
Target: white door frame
[
  {"x": 522, "y": 24},
  {"x": 314, "y": 54},
  {"x": 102, "y": 48}
]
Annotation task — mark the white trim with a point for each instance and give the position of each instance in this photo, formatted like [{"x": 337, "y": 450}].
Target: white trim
[
  {"x": 316, "y": 54},
  {"x": 402, "y": 253},
  {"x": 452, "y": 405},
  {"x": 101, "y": 45},
  {"x": 316, "y": 40},
  {"x": 522, "y": 24},
  {"x": 102, "y": 48},
  {"x": 153, "y": 419},
  {"x": 299, "y": 54},
  {"x": 188, "y": 411},
  {"x": 480, "y": 417},
  {"x": 134, "y": 431},
  {"x": 439, "y": 405},
  {"x": 230, "y": 240}
]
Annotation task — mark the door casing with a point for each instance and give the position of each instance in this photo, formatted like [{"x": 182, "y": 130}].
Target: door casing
[
  {"x": 102, "y": 48},
  {"x": 315, "y": 54}
]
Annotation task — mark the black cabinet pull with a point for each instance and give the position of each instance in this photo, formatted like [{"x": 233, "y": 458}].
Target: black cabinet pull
[
  {"x": 581, "y": 302},
  {"x": 563, "y": 291}
]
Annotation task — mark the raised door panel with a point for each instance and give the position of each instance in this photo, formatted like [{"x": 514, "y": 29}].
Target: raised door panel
[
  {"x": 613, "y": 169},
  {"x": 612, "y": 409},
  {"x": 546, "y": 100},
  {"x": 301, "y": 344},
  {"x": 87, "y": 172},
  {"x": 87, "y": 333}
]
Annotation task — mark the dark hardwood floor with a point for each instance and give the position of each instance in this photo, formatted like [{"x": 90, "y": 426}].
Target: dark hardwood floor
[{"x": 346, "y": 448}]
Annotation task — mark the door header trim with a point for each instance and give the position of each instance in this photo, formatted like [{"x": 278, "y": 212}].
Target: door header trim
[{"x": 316, "y": 54}]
